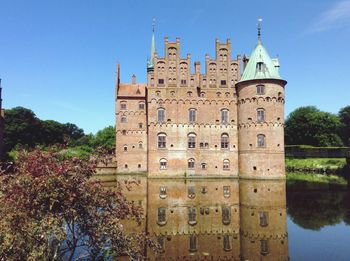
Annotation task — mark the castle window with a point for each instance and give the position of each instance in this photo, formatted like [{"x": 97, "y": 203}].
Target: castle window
[
  {"x": 141, "y": 106},
  {"x": 161, "y": 216},
  {"x": 190, "y": 163},
  {"x": 183, "y": 82},
  {"x": 140, "y": 125},
  {"x": 203, "y": 165},
  {"x": 201, "y": 145},
  {"x": 226, "y": 164},
  {"x": 193, "y": 243},
  {"x": 123, "y": 106},
  {"x": 192, "y": 216},
  {"x": 123, "y": 119},
  {"x": 192, "y": 115},
  {"x": 172, "y": 93},
  {"x": 126, "y": 166},
  {"x": 162, "y": 164},
  {"x": 264, "y": 247},
  {"x": 189, "y": 94},
  {"x": 227, "y": 243},
  {"x": 161, "y": 140},
  {"x": 124, "y": 132},
  {"x": 227, "y": 192},
  {"x": 125, "y": 147},
  {"x": 161, "y": 243},
  {"x": 260, "y": 89},
  {"x": 162, "y": 192},
  {"x": 140, "y": 145},
  {"x": 260, "y": 115},
  {"x": 206, "y": 145},
  {"x": 161, "y": 81},
  {"x": 191, "y": 140},
  {"x": 139, "y": 166},
  {"x": 260, "y": 66},
  {"x": 224, "y": 141},
  {"x": 223, "y": 82},
  {"x": 158, "y": 93},
  {"x": 218, "y": 94},
  {"x": 191, "y": 192},
  {"x": 226, "y": 215},
  {"x": 264, "y": 219},
  {"x": 161, "y": 115},
  {"x": 261, "y": 140},
  {"x": 227, "y": 94},
  {"x": 224, "y": 116},
  {"x": 202, "y": 94}
]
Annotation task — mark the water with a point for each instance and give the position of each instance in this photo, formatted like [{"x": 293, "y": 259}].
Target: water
[{"x": 227, "y": 219}]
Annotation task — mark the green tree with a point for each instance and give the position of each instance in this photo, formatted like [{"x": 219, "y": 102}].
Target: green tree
[
  {"x": 52, "y": 132},
  {"x": 22, "y": 127},
  {"x": 52, "y": 210},
  {"x": 72, "y": 131},
  {"x": 310, "y": 126},
  {"x": 105, "y": 138},
  {"x": 344, "y": 116}
]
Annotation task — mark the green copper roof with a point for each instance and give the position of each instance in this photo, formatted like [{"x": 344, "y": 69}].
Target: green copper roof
[
  {"x": 150, "y": 63},
  {"x": 260, "y": 65}
]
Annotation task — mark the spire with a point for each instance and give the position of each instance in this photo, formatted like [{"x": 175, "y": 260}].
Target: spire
[
  {"x": 150, "y": 63},
  {"x": 259, "y": 30}
]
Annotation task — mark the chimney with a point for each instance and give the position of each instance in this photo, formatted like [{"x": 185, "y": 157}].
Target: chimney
[
  {"x": 133, "y": 79},
  {"x": 197, "y": 68}
]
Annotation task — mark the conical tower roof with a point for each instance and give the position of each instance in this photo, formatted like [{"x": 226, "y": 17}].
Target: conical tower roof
[
  {"x": 150, "y": 63},
  {"x": 260, "y": 65}
]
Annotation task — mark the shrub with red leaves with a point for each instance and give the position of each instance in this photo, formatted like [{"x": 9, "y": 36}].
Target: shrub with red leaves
[{"x": 52, "y": 210}]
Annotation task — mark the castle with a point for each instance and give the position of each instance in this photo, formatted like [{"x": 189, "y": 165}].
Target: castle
[{"x": 220, "y": 123}]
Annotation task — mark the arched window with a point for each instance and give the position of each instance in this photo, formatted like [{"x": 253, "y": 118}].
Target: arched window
[
  {"x": 124, "y": 132},
  {"x": 260, "y": 89},
  {"x": 191, "y": 140},
  {"x": 260, "y": 115},
  {"x": 226, "y": 215},
  {"x": 261, "y": 140},
  {"x": 264, "y": 246},
  {"x": 163, "y": 164},
  {"x": 264, "y": 220},
  {"x": 125, "y": 147},
  {"x": 161, "y": 216},
  {"x": 227, "y": 191},
  {"x": 123, "y": 105},
  {"x": 227, "y": 243},
  {"x": 161, "y": 140},
  {"x": 161, "y": 115},
  {"x": 224, "y": 116},
  {"x": 224, "y": 141},
  {"x": 162, "y": 192},
  {"x": 192, "y": 115},
  {"x": 141, "y": 106},
  {"x": 123, "y": 119},
  {"x": 226, "y": 164},
  {"x": 191, "y": 163},
  {"x": 193, "y": 243},
  {"x": 140, "y": 145},
  {"x": 192, "y": 216}
]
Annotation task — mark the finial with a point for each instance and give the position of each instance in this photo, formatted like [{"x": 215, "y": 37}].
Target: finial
[
  {"x": 153, "y": 23},
  {"x": 259, "y": 28}
]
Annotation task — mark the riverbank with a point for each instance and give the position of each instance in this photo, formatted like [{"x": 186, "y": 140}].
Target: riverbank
[{"x": 316, "y": 165}]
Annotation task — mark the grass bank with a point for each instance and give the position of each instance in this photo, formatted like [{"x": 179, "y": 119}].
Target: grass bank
[
  {"x": 293, "y": 178},
  {"x": 316, "y": 165}
]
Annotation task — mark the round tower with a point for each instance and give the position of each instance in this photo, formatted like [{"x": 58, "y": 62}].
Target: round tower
[{"x": 261, "y": 117}]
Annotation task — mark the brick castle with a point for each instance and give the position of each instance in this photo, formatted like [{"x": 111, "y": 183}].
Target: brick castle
[{"x": 226, "y": 122}]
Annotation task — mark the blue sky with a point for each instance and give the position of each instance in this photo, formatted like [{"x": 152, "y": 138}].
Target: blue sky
[{"x": 58, "y": 57}]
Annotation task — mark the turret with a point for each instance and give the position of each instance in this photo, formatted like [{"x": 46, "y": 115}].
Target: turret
[
  {"x": 261, "y": 117},
  {"x": 150, "y": 63}
]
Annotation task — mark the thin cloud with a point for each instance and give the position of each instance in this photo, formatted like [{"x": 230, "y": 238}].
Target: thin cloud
[{"x": 337, "y": 16}]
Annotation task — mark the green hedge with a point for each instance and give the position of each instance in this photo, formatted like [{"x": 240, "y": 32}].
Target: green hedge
[{"x": 305, "y": 151}]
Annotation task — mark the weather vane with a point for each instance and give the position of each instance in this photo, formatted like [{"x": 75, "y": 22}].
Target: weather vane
[
  {"x": 259, "y": 28},
  {"x": 153, "y": 23}
]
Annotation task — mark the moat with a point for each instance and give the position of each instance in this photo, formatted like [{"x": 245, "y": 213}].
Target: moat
[{"x": 231, "y": 219}]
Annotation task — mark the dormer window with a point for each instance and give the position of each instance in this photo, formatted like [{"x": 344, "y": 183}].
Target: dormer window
[{"x": 260, "y": 66}]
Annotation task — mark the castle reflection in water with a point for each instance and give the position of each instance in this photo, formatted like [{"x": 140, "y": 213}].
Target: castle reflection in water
[{"x": 212, "y": 219}]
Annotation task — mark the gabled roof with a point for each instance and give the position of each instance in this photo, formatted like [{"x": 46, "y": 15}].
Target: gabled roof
[{"x": 260, "y": 65}]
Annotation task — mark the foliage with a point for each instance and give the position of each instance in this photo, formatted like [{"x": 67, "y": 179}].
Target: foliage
[
  {"x": 310, "y": 126},
  {"x": 293, "y": 178},
  {"x": 105, "y": 138},
  {"x": 331, "y": 163},
  {"x": 24, "y": 129},
  {"x": 344, "y": 116},
  {"x": 52, "y": 210}
]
